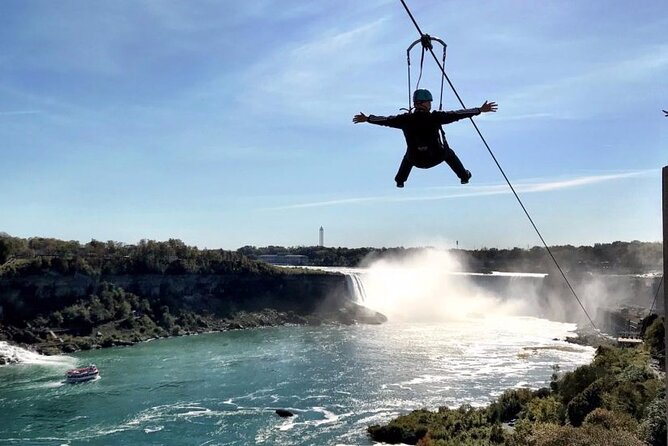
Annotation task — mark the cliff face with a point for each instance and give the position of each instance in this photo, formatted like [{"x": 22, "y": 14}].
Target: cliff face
[
  {"x": 24, "y": 298},
  {"x": 54, "y": 313}
]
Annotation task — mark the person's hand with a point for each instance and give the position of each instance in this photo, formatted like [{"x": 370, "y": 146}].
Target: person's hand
[
  {"x": 488, "y": 107},
  {"x": 361, "y": 117}
]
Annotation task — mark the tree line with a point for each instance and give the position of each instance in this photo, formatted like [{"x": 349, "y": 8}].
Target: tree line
[
  {"x": 38, "y": 254},
  {"x": 20, "y": 257},
  {"x": 616, "y": 257}
]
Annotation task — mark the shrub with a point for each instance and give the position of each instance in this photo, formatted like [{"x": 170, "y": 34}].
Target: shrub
[
  {"x": 509, "y": 404},
  {"x": 553, "y": 435},
  {"x": 397, "y": 433},
  {"x": 627, "y": 396},
  {"x": 653, "y": 426},
  {"x": 611, "y": 420},
  {"x": 56, "y": 319},
  {"x": 585, "y": 402},
  {"x": 545, "y": 410},
  {"x": 573, "y": 383},
  {"x": 655, "y": 340},
  {"x": 496, "y": 434}
]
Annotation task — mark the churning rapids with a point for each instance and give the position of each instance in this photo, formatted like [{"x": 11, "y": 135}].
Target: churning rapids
[{"x": 462, "y": 347}]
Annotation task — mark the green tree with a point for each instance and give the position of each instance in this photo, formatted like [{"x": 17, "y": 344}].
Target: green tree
[
  {"x": 545, "y": 410},
  {"x": 509, "y": 404},
  {"x": 5, "y": 250},
  {"x": 653, "y": 426},
  {"x": 655, "y": 338},
  {"x": 123, "y": 310},
  {"x": 98, "y": 311},
  {"x": 496, "y": 434},
  {"x": 56, "y": 319},
  {"x": 585, "y": 402},
  {"x": 553, "y": 435},
  {"x": 611, "y": 420}
]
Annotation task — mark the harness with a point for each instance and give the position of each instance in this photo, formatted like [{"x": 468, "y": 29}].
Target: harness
[{"x": 426, "y": 45}]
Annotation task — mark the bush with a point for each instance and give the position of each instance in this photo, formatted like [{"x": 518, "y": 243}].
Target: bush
[
  {"x": 655, "y": 339},
  {"x": 573, "y": 383},
  {"x": 462, "y": 426},
  {"x": 4, "y": 250},
  {"x": 397, "y": 433},
  {"x": 611, "y": 420},
  {"x": 645, "y": 324},
  {"x": 553, "y": 435},
  {"x": 496, "y": 434},
  {"x": 585, "y": 402},
  {"x": 56, "y": 319},
  {"x": 509, "y": 405},
  {"x": 77, "y": 316},
  {"x": 653, "y": 426},
  {"x": 123, "y": 310},
  {"x": 630, "y": 397},
  {"x": 545, "y": 410}
]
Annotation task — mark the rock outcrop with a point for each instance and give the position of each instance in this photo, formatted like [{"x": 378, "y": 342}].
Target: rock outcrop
[{"x": 196, "y": 303}]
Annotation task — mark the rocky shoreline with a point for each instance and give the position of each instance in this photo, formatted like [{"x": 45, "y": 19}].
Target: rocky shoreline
[
  {"x": 46, "y": 341},
  {"x": 50, "y": 311}
]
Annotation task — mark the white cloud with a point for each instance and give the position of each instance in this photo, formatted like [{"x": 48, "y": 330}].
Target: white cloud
[
  {"x": 476, "y": 191},
  {"x": 593, "y": 90},
  {"x": 19, "y": 112},
  {"x": 312, "y": 77}
]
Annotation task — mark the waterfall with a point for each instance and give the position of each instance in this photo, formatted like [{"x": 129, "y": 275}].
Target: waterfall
[
  {"x": 354, "y": 280},
  {"x": 11, "y": 354},
  {"x": 356, "y": 286}
]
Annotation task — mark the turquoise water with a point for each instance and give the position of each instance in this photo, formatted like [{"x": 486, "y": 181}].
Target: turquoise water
[{"x": 223, "y": 388}]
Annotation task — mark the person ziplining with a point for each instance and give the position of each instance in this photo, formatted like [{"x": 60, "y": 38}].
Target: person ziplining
[
  {"x": 426, "y": 41},
  {"x": 425, "y": 148},
  {"x": 426, "y": 145}
]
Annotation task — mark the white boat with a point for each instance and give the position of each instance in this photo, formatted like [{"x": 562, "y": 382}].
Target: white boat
[{"x": 82, "y": 374}]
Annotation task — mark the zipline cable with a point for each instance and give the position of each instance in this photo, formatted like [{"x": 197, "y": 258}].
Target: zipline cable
[
  {"x": 442, "y": 68},
  {"x": 651, "y": 308}
]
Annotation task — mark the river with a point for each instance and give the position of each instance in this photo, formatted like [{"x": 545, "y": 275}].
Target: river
[
  {"x": 223, "y": 388},
  {"x": 451, "y": 339}
]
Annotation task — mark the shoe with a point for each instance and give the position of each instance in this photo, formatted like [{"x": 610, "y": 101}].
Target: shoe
[
  {"x": 400, "y": 184},
  {"x": 468, "y": 177}
]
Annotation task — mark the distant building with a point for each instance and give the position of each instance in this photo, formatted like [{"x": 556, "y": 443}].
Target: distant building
[
  {"x": 321, "y": 240},
  {"x": 284, "y": 259}
]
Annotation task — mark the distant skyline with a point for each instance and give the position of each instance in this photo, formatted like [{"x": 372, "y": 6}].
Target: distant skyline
[{"x": 226, "y": 124}]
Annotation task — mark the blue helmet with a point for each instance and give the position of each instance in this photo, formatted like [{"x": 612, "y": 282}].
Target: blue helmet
[{"x": 422, "y": 95}]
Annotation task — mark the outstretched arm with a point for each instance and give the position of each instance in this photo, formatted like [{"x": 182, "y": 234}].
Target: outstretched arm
[
  {"x": 396, "y": 121},
  {"x": 446, "y": 117},
  {"x": 361, "y": 117}
]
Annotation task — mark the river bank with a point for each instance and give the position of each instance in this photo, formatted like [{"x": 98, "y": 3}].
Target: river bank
[
  {"x": 51, "y": 311},
  {"x": 617, "y": 400},
  {"x": 136, "y": 329}
]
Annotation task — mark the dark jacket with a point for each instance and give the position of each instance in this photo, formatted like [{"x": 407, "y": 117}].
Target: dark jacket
[{"x": 421, "y": 130}]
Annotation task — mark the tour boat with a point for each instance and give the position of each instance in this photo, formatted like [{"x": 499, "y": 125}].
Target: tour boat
[{"x": 82, "y": 374}]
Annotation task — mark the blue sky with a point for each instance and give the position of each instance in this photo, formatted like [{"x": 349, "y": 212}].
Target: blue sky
[{"x": 229, "y": 123}]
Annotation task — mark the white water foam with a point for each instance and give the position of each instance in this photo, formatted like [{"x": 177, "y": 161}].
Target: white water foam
[
  {"x": 428, "y": 287},
  {"x": 354, "y": 280},
  {"x": 22, "y": 356},
  {"x": 356, "y": 285}
]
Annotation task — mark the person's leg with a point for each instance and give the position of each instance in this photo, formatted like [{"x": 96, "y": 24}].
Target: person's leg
[
  {"x": 456, "y": 165},
  {"x": 404, "y": 171}
]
